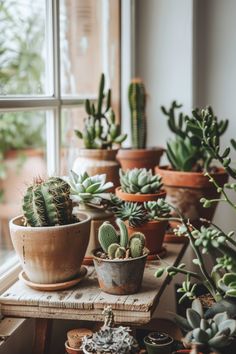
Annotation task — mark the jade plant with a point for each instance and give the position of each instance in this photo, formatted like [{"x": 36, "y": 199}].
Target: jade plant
[
  {"x": 47, "y": 203},
  {"x": 120, "y": 245},
  {"x": 140, "y": 181},
  {"x": 137, "y": 103},
  {"x": 100, "y": 129},
  {"x": 138, "y": 214},
  {"x": 187, "y": 152},
  {"x": 207, "y": 335},
  {"x": 110, "y": 339},
  {"x": 85, "y": 189}
]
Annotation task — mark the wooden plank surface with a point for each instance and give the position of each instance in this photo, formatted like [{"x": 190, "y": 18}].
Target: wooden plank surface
[{"x": 86, "y": 301}]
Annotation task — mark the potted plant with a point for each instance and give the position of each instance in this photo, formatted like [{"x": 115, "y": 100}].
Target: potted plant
[
  {"x": 139, "y": 156},
  {"x": 184, "y": 180},
  {"x": 158, "y": 343},
  {"x": 90, "y": 195},
  {"x": 143, "y": 218},
  {"x": 100, "y": 134},
  {"x": 120, "y": 262},
  {"x": 208, "y": 335},
  {"x": 139, "y": 185},
  {"x": 49, "y": 241},
  {"x": 110, "y": 339},
  {"x": 74, "y": 340}
]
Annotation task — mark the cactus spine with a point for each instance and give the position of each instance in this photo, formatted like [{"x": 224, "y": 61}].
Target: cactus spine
[
  {"x": 137, "y": 103},
  {"x": 48, "y": 203},
  {"x": 120, "y": 246}
]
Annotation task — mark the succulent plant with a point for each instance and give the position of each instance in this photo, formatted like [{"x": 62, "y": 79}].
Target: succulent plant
[
  {"x": 48, "y": 203},
  {"x": 110, "y": 339},
  {"x": 137, "y": 103},
  {"x": 211, "y": 334},
  {"x": 100, "y": 130},
  {"x": 157, "y": 209},
  {"x": 119, "y": 245},
  {"x": 85, "y": 189},
  {"x": 139, "y": 181},
  {"x": 228, "y": 284},
  {"x": 133, "y": 212},
  {"x": 226, "y": 263},
  {"x": 190, "y": 150}
]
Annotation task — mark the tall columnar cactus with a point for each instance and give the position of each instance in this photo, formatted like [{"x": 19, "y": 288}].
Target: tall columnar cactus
[
  {"x": 118, "y": 245},
  {"x": 48, "y": 203},
  {"x": 137, "y": 103}
]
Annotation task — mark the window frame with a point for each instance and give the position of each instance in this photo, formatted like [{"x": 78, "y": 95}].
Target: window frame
[{"x": 54, "y": 104}]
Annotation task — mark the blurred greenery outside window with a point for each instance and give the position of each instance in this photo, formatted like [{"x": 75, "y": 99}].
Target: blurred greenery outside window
[{"x": 43, "y": 87}]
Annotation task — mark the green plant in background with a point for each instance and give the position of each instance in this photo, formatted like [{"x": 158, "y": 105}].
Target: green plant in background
[
  {"x": 157, "y": 209},
  {"x": 48, "y": 203},
  {"x": 100, "y": 130},
  {"x": 87, "y": 189},
  {"x": 215, "y": 334},
  {"x": 228, "y": 284},
  {"x": 186, "y": 152},
  {"x": 119, "y": 245},
  {"x": 139, "y": 181},
  {"x": 137, "y": 103}
]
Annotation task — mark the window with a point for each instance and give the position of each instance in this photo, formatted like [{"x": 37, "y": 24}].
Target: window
[{"x": 51, "y": 56}]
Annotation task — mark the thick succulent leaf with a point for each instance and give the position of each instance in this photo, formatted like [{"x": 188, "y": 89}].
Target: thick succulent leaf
[
  {"x": 220, "y": 317},
  {"x": 220, "y": 341},
  {"x": 193, "y": 317},
  {"x": 197, "y": 306},
  {"x": 182, "y": 322},
  {"x": 200, "y": 336},
  {"x": 231, "y": 324}
]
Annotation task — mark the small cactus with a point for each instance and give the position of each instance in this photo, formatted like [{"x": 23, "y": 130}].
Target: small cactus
[
  {"x": 137, "y": 103},
  {"x": 119, "y": 246},
  {"x": 48, "y": 203}
]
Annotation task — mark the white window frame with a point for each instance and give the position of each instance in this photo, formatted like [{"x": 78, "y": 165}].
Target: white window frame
[{"x": 53, "y": 104}]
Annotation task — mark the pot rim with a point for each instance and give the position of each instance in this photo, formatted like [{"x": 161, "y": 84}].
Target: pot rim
[
  {"x": 221, "y": 171},
  {"x": 116, "y": 260},
  {"x": 150, "y": 148},
  {"x": 79, "y": 350},
  {"x": 44, "y": 228},
  {"x": 161, "y": 193},
  {"x": 159, "y": 345}
]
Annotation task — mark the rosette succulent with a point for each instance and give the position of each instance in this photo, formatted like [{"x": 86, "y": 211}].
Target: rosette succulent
[
  {"x": 140, "y": 181},
  {"x": 88, "y": 189}
]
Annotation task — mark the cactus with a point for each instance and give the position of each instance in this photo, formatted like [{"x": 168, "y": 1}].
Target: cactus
[
  {"x": 119, "y": 246},
  {"x": 139, "y": 181},
  {"x": 86, "y": 189},
  {"x": 137, "y": 103},
  {"x": 100, "y": 130},
  {"x": 212, "y": 334},
  {"x": 48, "y": 203},
  {"x": 107, "y": 235}
]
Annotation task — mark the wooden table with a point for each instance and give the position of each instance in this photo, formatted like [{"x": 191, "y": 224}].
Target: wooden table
[{"x": 86, "y": 301}]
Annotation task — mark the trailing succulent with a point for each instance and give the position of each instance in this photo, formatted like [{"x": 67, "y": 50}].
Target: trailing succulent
[
  {"x": 139, "y": 181},
  {"x": 215, "y": 334},
  {"x": 47, "y": 203},
  {"x": 138, "y": 214},
  {"x": 100, "y": 130},
  {"x": 110, "y": 339},
  {"x": 88, "y": 190},
  {"x": 197, "y": 138},
  {"x": 137, "y": 103},
  {"x": 119, "y": 245}
]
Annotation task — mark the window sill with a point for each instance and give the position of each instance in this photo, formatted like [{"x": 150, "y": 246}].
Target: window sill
[{"x": 9, "y": 277}]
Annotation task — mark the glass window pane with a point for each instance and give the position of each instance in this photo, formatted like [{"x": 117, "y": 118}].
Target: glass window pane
[
  {"x": 72, "y": 118},
  {"x": 89, "y": 45},
  {"x": 22, "y": 157},
  {"x": 23, "y": 46}
]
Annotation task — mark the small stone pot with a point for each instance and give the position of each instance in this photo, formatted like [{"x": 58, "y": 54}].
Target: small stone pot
[
  {"x": 120, "y": 276},
  {"x": 158, "y": 343}
]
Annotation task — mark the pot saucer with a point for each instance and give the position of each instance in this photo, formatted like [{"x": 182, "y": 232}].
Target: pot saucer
[
  {"x": 57, "y": 286},
  {"x": 161, "y": 254}
]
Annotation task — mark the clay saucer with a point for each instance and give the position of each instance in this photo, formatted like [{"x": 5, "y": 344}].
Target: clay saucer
[{"x": 56, "y": 286}]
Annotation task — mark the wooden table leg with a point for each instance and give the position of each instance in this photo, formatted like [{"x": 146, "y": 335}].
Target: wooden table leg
[{"x": 42, "y": 336}]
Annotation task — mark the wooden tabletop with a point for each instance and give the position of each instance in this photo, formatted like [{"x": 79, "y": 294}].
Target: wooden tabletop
[{"x": 86, "y": 301}]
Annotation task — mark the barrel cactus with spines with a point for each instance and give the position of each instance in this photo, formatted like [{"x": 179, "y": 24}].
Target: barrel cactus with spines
[
  {"x": 137, "y": 103},
  {"x": 140, "y": 181},
  {"x": 48, "y": 203},
  {"x": 117, "y": 245}
]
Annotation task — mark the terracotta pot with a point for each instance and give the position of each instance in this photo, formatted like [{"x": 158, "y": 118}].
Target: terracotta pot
[
  {"x": 120, "y": 276},
  {"x": 98, "y": 216},
  {"x": 140, "y": 158},
  {"x": 98, "y": 161},
  {"x": 53, "y": 254},
  {"x": 139, "y": 198},
  {"x": 71, "y": 350},
  {"x": 185, "y": 189},
  {"x": 154, "y": 232}
]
